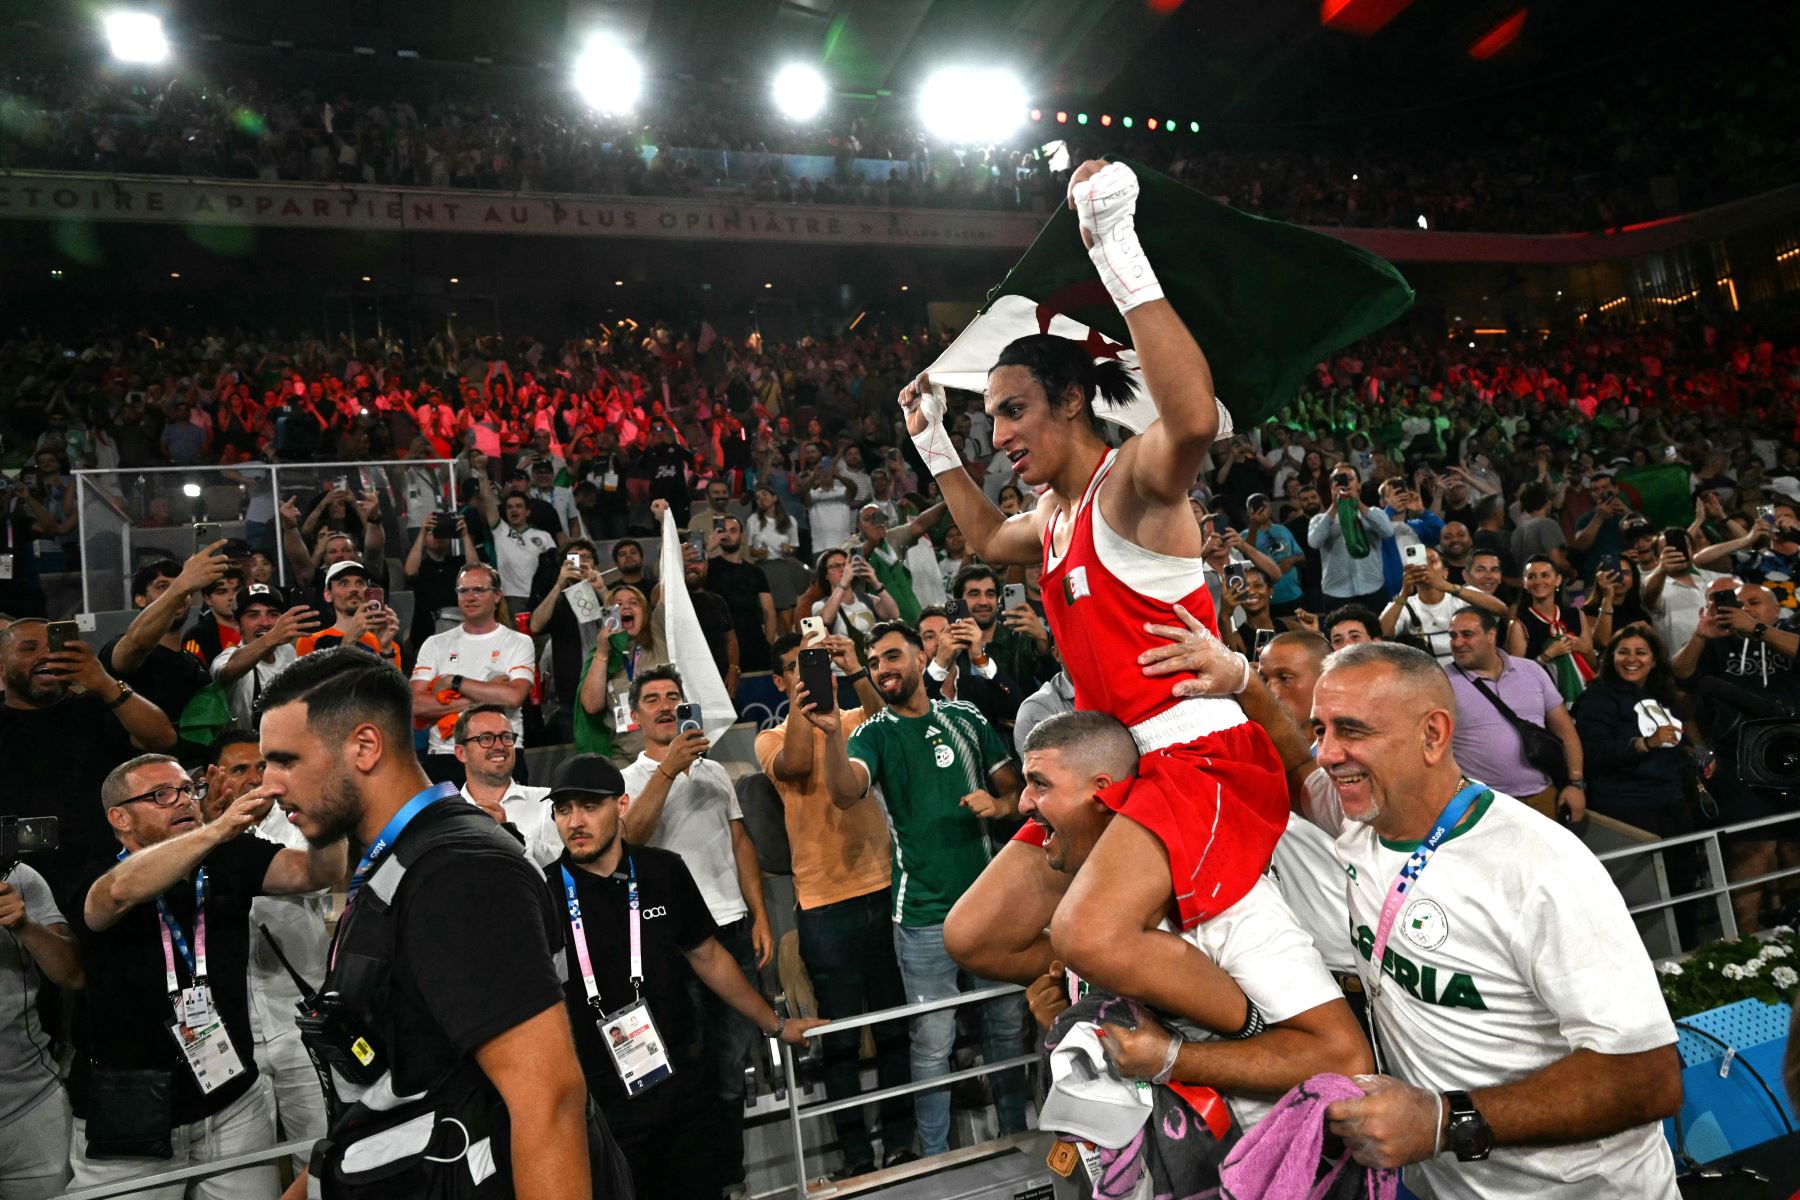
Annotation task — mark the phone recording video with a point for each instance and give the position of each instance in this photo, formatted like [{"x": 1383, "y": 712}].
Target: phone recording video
[{"x": 816, "y": 680}]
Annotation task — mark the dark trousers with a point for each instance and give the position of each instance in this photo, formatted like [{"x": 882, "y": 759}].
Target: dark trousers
[
  {"x": 726, "y": 1037},
  {"x": 667, "y": 1148},
  {"x": 848, "y": 948}
]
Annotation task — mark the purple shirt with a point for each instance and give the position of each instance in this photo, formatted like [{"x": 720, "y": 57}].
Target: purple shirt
[{"x": 1487, "y": 746}]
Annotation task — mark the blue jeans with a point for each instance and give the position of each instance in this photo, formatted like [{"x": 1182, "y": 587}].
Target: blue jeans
[{"x": 931, "y": 974}]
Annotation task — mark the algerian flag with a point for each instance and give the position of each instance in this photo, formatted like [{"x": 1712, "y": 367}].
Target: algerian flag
[
  {"x": 1265, "y": 300},
  {"x": 1662, "y": 492},
  {"x": 688, "y": 651}
]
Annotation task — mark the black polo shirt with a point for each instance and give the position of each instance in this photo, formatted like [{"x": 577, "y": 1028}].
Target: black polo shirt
[
  {"x": 675, "y": 920},
  {"x": 124, "y": 1009},
  {"x": 742, "y": 587}
]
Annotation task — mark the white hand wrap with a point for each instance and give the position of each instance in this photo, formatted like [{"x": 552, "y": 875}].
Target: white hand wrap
[
  {"x": 1106, "y": 204},
  {"x": 935, "y": 448}
]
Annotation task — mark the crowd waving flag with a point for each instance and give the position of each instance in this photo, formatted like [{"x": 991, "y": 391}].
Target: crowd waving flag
[{"x": 1266, "y": 300}]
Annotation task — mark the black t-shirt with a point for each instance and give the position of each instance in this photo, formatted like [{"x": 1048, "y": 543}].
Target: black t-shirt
[
  {"x": 167, "y": 678},
  {"x": 474, "y": 938},
  {"x": 742, "y": 586},
  {"x": 433, "y": 588},
  {"x": 716, "y": 624},
  {"x": 1754, "y": 665},
  {"x": 675, "y": 919},
  {"x": 124, "y": 1009},
  {"x": 666, "y": 468},
  {"x": 61, "y": 755}
]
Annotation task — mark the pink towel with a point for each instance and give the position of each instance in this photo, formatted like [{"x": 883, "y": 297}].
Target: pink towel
[{"x": 1280, "y": 1158}]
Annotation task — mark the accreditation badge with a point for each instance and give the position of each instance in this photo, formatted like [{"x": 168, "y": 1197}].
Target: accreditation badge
[
  {"x": 637, "y": 1049},
  {"x": 208, "y": 1052}
]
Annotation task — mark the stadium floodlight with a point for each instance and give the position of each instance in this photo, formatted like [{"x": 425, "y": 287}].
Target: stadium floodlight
[
  {"x": 799, "y": 92},
  {"x": 976, "y": 106},
  {"x": 608, "y": 76},
  {"x": 135, "y": 37}
]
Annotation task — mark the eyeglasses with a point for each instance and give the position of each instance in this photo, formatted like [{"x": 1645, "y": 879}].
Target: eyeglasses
[
  {"x": 486, "y": 740},
  {"x": 473, "y": 591},
  {"x": 166, "y": 796}
]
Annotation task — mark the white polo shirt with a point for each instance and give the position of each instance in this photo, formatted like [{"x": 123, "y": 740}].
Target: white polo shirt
[
  {"x": 529, "y": 811},
  {"x": 696, "y": 824},
  {"x": 1512, "y": 951}
]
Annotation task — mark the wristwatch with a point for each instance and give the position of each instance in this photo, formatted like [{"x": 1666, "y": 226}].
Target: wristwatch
[
  {"x": 1579, "y": 784},
  {"x": 125, "y": 693},
  {"x": 456, "y": 681},
  {"x": 1762, "y": 627},
  {"x": 1467, "y": 1133}
]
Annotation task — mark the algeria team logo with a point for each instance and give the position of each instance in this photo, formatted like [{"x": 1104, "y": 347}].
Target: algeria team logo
[
  {"x": 944, "y": 755},
  {"x": 1425, "y": 924}
]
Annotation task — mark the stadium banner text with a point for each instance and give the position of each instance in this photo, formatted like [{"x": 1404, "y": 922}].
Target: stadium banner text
[{"x": 83, "y": 197}]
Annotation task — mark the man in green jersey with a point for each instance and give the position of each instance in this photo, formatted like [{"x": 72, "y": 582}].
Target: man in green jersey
[{"x": 943, "y": 773}]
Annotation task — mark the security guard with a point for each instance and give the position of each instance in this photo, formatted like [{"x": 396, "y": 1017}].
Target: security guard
[
  {"x": 639, "y": 929},
  {"x": 439, "y": 1032}
]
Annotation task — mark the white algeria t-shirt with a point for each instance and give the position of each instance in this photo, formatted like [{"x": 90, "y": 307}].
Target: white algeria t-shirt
[{"x": 1513, "y": 950}]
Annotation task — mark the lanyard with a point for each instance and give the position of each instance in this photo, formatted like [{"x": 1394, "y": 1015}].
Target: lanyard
[
  {"x": 1413, "y": 868},
  {"x": 581, "y": 946},
  {"x": 384, "y": 841},
  {"x": 174, "y": 941}
]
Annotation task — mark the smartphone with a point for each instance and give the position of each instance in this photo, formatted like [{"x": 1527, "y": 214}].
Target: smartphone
[
  {"x": 1236, "y": 576},
  {"x": 205, "y": 534},
  {"x": 61, "y": 633},
  {"x": 698, "y": 542},
  {"x": 341, "y": 483},
  {"x": 1766, "y": 513},
  {"x": 1263, "y": 638},
  {"x": 1725, "y": 600},
  {"x": 25, "y": 835},
  {"x": 815, "y": 677},
  {"x": 444, "y": 524},
  {"x": 718, "y": 524},
  {"x": 1414, "y": 555},
  {"x": 1675, "y": 539},
  {"x": 687, "y": 718},
  {"x": 956, "y": 610},
  {"x": 1221, "y": 524},
  {"x": 1015, "y": 596},
  {"x": 1671, "y": 453},
  {"x": 856, "y": 557},
  {"x": 611, "y": 619},
  {"x": 574, "y": 561},
  {"x": 374, "y": 597},
  {"x": 811, "y": 629}
]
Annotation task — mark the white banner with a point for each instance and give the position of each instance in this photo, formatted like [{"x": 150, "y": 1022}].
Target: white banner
[{"x": 45, "y": 195}]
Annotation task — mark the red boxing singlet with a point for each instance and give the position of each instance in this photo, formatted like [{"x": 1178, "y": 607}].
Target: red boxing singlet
[{"x": 1210, "y": 785}]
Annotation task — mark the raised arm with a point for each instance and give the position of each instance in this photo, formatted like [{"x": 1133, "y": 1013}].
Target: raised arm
[
  {"x": 144, "y": 876},
  {"x": 994, "y": 537},
  {"x": 153, "y": 622}
]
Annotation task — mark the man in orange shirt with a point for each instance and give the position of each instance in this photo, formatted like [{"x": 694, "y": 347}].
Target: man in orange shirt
[
  {"x": 842, "y": 876},
  {"x": 356, "y": 619}
]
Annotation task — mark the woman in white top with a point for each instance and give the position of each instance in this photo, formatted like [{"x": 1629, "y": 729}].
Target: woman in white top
[
  {"x": 771, "y": 534},
  {"x": 854, "y": 598}
]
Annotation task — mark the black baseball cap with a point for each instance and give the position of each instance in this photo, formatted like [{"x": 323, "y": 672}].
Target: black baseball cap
[
  {"x": 261, "y": 593},
  {"x": 586, "y": 775}
]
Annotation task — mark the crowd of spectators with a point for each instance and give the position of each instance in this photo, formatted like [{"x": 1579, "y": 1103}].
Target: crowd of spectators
[
  {"x": 1550, "y": 168},
  {"x": 1488, "y": 505}
]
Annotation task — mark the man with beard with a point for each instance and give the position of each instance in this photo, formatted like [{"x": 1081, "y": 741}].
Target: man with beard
[
  {"x": 745, "y": 590},
  {"x": 1454, "y": 546},
  {"x": 1312, "y": 570},
  {"x": 293, "y": 924},
  {"x": 607, "y": 882},
  {"x": 1016, "y": 642},
  {"x": 439, "y": 887},
  {"x": 268, "y": 649},
  {"x": 74, "y": 739},
  {"x": 355, "y": 622},
  {"x": 943, "y": 772},
  {"x": 628, "y": 565},
  {"x": 479, "y": 662},
  {"x": 182, "y": 1013}
]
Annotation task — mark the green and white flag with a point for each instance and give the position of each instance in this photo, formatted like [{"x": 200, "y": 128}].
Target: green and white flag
[{"x": 1265, "y": 300}]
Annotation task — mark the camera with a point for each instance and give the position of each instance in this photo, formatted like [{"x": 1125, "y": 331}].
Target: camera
[
  {"x": 1769, "y": 753},
  {"x": 20, "y": 836}
]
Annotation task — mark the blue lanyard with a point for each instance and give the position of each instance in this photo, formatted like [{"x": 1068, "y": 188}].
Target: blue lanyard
[
  {"x": 384, "y": 841},
  {"x": 1414, "y": 867},
  {"x": 581, "y": 946}
]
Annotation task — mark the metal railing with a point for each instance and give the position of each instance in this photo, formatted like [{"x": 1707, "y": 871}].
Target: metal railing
[
  {"x": 790, "y": 1078},
  {"x": 1720, "y": 887},
  {"x": 102, "y": 495},
  {"x": 223, "y": 1166}
]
